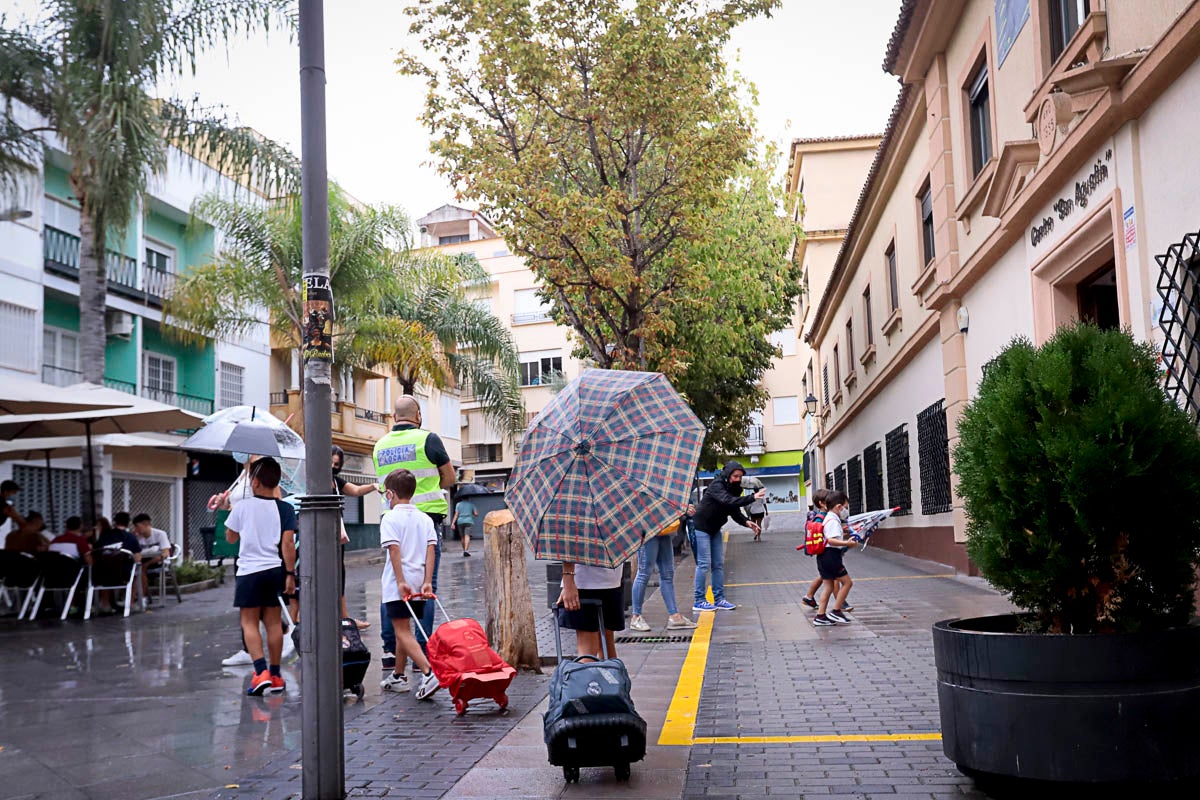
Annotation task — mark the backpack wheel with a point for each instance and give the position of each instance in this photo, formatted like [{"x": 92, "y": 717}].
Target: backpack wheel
[
  {"x": 621, "y": 771},
  {"x": 460, "y": 707},
  {"x": 571, "y": 774}
]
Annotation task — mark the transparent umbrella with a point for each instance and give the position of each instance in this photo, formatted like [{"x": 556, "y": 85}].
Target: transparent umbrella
[{"x": 247, "y": 429}]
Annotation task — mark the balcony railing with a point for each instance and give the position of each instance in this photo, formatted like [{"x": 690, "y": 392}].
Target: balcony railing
[
  {"x": 530, "y": 317},
  {"x": 188, "y": 402},
  {"x": 482, "y": 453},
  {"x": 61, "y": 253},
  {"x": 61, "y": 376},
  {"x": 279, "y": 398},
  {"x": 371, "y": 416},
  {"x": 755, "y": 444}
]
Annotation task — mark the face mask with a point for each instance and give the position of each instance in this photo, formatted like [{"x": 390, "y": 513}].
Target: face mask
[
  {"x": 240, "y": 458},
  {"x": 337, "y": 470},
  {"x": 844, "y": 514}
]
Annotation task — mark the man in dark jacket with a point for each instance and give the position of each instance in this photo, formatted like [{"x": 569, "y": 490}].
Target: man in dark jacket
[{"x": 722, "y": 501}]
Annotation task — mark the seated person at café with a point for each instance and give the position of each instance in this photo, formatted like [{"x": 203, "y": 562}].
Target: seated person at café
[
  {"x": 119, "y": 535},
  {"x": 28, "y": 537},
  {"x": 73, "y": 537},
  {"x": 156, "y": 546}
]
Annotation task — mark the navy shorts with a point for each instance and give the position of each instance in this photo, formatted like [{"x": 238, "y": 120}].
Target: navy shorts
[
  {"x": 586, "y": 618},
  {"x": 829, "y": 564},
  {"x": 259, "y": 589},
  {"x": 397, "y": 609}
]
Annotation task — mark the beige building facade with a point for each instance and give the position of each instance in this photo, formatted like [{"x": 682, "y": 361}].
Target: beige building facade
[
  {"x": 826, "y": 175},
  {"x": 544, "y": 348},
  {"x": 1036, "y": 170}
]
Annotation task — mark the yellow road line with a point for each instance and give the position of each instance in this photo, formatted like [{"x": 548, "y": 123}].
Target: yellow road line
[
  {"x": 856, "y": 580},
  {"x": 832, "y": 738},
  {"x": 680, "y": 725}
]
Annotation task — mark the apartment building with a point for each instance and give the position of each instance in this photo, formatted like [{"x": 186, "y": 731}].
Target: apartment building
[
  {"x": 510, "y": 294},
  {"x": 39, "y": 336},
  {"x": 1034, "y": 171}
]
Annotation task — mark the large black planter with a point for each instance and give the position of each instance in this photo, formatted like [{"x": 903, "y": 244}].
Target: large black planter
[{"x": 1091, "y": 708}]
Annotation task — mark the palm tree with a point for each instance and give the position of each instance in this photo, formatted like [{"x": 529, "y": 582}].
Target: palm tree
[
  {"x": 87, "y": 69},
  {"x": 261, "y": 267},
  {"x": 430, "y": 331}
]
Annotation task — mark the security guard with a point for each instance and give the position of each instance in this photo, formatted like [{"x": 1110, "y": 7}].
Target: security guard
[{"x": 421, "y": 452}]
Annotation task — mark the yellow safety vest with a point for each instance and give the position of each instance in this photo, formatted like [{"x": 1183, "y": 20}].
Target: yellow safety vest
[{"x": 405, "y": 449}]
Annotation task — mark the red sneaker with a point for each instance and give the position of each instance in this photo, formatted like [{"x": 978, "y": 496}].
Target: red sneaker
[
  {"x": 278, "y": 685},
  {"x": 259, "y": 683}
]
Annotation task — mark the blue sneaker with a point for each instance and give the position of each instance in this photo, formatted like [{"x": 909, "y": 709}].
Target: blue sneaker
[
  {"x": 725, "y": 605},
  {"x": 703, "y": 605}
]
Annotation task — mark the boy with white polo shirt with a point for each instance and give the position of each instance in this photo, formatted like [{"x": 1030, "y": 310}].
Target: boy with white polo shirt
[
  {"x": 408, "y": 537},
  {"x": 266, "y": 527}
]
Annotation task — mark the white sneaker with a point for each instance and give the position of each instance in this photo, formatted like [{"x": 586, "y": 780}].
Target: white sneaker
[
  {"x": 429, "y": 685},
  {"x": 395, "y": 683},
  {"x": 680, "y": 624},
  {"x": 638, "y": 624},
  {"x": 289, "y": 648},
  {"x": 239, "y": 659}
]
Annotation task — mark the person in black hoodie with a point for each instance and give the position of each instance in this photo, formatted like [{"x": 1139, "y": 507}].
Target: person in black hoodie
[{"x": 722, "y": 501}]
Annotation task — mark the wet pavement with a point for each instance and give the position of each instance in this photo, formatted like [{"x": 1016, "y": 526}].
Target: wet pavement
[{"x": 756, "y": 704}]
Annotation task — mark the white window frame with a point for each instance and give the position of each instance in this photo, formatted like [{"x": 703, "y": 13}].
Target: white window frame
[
  {"x": 785, "y": 339},
  {"x": 536, "y": 357},
  {"x": 529, "y": 313},
  {"x": 229, "y": 368},
  {"x": 790, "y": 419},
  {"x": 161, "y": 248},
  {"x": 174, "y": 388},
  {"x": 59, "y": 334}
]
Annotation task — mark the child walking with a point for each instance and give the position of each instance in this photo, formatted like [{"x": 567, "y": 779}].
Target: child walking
[
  {"x": 408, "y": 536},
  {"x": 266, "y": 565},
  {"x": 817, "y": 516},
  {"x": 833, "y": 572}
]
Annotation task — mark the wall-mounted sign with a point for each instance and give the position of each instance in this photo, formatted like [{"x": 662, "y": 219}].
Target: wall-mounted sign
[
  {"x": 1130, "y": 229},
  {"x": 1091, "y": 184},
  {"x": 1010, "y": 18}
]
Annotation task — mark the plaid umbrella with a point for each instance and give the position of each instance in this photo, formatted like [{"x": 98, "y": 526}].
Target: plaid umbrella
[{"x": 607, "y": 462}]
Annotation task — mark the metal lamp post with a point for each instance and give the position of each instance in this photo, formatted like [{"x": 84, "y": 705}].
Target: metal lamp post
[{"x": 322, "y": 758}]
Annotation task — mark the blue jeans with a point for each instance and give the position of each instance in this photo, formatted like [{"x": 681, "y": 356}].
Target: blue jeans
[
  {"x": 385, "y": 626},
  {"x": 656, "y": 552},
  {"x": 710, "y": 556}
]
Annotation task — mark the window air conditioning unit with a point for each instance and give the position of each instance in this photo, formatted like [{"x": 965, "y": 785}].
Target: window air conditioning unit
[
  {"x": 463, "y": 420},
  {"x": 119, "y": 324}
]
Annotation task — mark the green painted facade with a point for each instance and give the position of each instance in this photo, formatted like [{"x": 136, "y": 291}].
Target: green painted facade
[
  {"x": 120, "y": 356},
  {"x": 195, "y": 367}
]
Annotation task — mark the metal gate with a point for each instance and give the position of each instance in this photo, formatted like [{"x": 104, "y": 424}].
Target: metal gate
[
  {"x": 148, "y": 496},
  {"x": 35, "y": 493},
  {"x": 196, "y": 514}
]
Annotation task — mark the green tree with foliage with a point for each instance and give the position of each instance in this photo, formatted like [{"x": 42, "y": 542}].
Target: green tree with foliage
[
  {"x": 87, "y": 69},
  {"x": 748, "y": 288},
  {"x": 431, "y": 332},
  {"x": 599, "y": 136},
  {"x": 1082, "y": 485}
]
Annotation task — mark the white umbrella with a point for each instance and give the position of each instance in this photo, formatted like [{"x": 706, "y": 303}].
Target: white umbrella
[
  {"x": 60, "y": 446},
  {"x": 140, "y": 415},
  {"x": 246, "y": 429},
  {"x": 33, "y": 397}
]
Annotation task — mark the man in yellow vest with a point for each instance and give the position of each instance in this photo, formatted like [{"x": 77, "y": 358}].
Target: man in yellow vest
[{"x": 422, "y": 453}]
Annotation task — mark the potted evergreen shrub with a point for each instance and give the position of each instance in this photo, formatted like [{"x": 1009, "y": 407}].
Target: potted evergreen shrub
[{"x": 1082, "y": 487}]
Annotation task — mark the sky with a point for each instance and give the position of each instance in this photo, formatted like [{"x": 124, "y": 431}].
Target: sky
[{"x": 815, "y": 63}]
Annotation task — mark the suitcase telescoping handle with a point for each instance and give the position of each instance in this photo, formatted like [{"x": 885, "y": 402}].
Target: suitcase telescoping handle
[
  {"x": 584, "y": 602},
  {"x": 410, "y": 597}
]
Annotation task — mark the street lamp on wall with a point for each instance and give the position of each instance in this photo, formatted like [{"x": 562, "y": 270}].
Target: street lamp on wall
[{"x": 810, "y": 404}]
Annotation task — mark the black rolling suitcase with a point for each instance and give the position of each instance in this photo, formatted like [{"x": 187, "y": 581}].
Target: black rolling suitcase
[
  {"x": 591, "y": 721},
  {"x": 355, "y": 659}
]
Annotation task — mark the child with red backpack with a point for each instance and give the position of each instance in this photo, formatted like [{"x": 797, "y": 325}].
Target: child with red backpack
[
  {"x": 814, "y": 543},
  {"x": 830, "y": 549}
]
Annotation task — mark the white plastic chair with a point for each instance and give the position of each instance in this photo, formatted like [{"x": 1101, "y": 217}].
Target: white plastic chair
[
  {"x": 60, "y": 572},
  {"x": 108, "y": 572}
]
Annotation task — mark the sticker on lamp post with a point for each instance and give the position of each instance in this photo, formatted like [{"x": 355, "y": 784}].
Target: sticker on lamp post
[{"x": 318, "y": 318}]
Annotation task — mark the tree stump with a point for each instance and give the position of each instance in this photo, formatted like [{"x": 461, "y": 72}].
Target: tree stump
[{"x": 510, "y": 625}]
